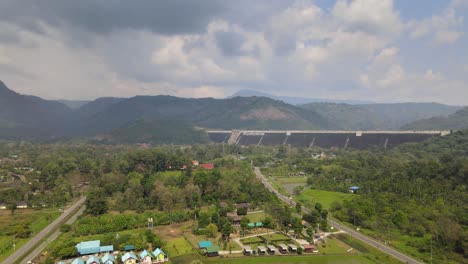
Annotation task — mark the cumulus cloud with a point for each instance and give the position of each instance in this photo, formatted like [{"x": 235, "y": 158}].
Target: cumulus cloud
[
  {"x": 86, "y": 49},
  {"x": 375, "y": 16},
  {"x": 444, "y": 28}
]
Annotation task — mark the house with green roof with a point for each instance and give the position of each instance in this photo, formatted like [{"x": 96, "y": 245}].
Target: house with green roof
[
  {"x": 128, "y": 247},
  {"x": 212, "y": 251}
]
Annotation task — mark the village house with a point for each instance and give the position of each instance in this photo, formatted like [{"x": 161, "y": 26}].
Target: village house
[
  {"x": 353, "y": 189},
  {"x": 271, "y": 249},
  {"x": 146, "y": 257},
  {"x": 207, "y": 166},
  {"x": 93, "y": 260},
  {"x": 292, "y": 248},
  {"x": 160, "y": 256},
  {"x": 309, "y": 248},
  {"x": 3, "y": 206},
  {"x": 108, "y": 259},
  {"x": 22, "y": 205},
  {"x": 261, "y": 250},
  {"x": 78, "y": 261},
  {"x": 283, "y": 248},
  {"x": 129, "y": 258},
  {"x": 247, "y": 251}
]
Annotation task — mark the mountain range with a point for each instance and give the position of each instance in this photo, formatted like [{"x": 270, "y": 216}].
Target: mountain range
[
  {"x": 171, "y": 119},
  {"x": 295, "y": 100}
]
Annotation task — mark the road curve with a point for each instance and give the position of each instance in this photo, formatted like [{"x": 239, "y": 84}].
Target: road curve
[
  {"x": 13, "y": 258},
  {"x": 372, "y": 242}
]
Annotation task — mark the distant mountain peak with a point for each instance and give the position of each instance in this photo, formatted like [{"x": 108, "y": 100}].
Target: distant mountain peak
[{"x": 4, "y": 90}]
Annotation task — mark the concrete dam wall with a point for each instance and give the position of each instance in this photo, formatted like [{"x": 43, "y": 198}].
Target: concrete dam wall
[{"x": 322, "y": 138}]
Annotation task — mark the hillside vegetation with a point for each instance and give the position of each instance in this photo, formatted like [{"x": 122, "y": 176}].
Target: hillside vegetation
[
  {"x": 378, "y": 116},
  {"x": 119, "y": 119},
  {"x": 455, "y": 121}
]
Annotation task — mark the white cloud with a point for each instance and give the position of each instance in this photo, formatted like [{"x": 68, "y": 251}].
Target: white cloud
[
  {"x": 350, "y": 51},
  {"x": 443, "y": 29},
  {"x": 378, "y": 16}
]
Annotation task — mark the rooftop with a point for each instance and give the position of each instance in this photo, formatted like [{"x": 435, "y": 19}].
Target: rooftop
[{"x": 205, "y": 244}]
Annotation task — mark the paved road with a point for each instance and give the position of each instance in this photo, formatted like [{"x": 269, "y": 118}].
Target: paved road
[
  {"x": 13, "y": 258},
  {"x": 372, "y": 242},
  {"x": 49, "y": 239}
]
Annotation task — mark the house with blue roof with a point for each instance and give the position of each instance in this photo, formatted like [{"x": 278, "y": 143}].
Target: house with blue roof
[
  {"x": 78, "y": 261},
  {"x": 108, "y": 259},
  {"x": 106, "y": 249},
  {"x": 160, "y": 256},
  {"x": 92, "y": 247},
  {"x": 93, "y": 260},
  {"x": 353, "y": 189},
  {"x": 129, "y": 258},
  {"x": 88, "y": 247}
]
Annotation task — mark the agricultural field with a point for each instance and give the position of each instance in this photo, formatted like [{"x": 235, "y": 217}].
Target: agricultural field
[
  {"x": 310, "y": 197},
  {"x": 24, "y": 222}
]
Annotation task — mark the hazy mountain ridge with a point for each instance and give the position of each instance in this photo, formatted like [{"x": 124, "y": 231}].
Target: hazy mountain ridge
[
  {"x": 23, "y": 116},
  {"x": 378, "y": 116},
  {"x": 296, "y": 100},
  {"x": 455, "y": 121}
]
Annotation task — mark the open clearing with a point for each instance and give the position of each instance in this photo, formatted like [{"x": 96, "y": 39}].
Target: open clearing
[{"x": 310, "y": 197}]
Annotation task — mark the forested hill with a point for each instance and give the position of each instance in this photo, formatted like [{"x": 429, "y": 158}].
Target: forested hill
[
  {"x": 379, "y": 116},
  {"x": 458, "y": 120},
  {"x": 31, "y": 117},
  {"x": 23, "y": 116},
  {"x": 238, "y": 112}
]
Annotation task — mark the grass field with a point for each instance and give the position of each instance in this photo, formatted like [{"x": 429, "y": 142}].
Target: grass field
[
  {"x": 256, "y": 217},
  {"x": 36, "y": 220},
  {"x": 310, "y": 197},
  {"x": 368, "y": 251},
  {"x": 288, "y": 180}
]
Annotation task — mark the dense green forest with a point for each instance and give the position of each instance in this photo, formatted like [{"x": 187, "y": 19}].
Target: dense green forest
[{"x": 413, "y": 197}]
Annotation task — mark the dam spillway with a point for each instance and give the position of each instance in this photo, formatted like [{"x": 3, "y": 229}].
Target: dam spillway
[{"x": 322, "y": 138}]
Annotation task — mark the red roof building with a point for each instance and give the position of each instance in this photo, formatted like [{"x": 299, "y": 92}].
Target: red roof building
[{"x": 208, "y": 166}]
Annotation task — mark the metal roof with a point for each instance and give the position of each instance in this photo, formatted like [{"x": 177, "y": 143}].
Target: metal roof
[{"x": 205, "y": 244}]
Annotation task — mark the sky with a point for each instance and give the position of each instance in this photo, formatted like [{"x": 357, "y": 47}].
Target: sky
[{"x": 377, "y": 50}]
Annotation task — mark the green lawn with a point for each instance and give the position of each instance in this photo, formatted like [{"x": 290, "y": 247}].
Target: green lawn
[
  {"x": 251, "y": 240},
  {"x": 178, "y": 247},
  {"x": 310, "y": 197},
  {"x": 334, "y": 246},
  {"x": 276, "y": 237},
  {"x": 256, "y": 217}
]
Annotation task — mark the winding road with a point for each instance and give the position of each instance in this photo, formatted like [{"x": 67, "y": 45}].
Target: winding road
[
  {"x": 372, "y": 242},
  {"x": 19, "y": 254}
]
